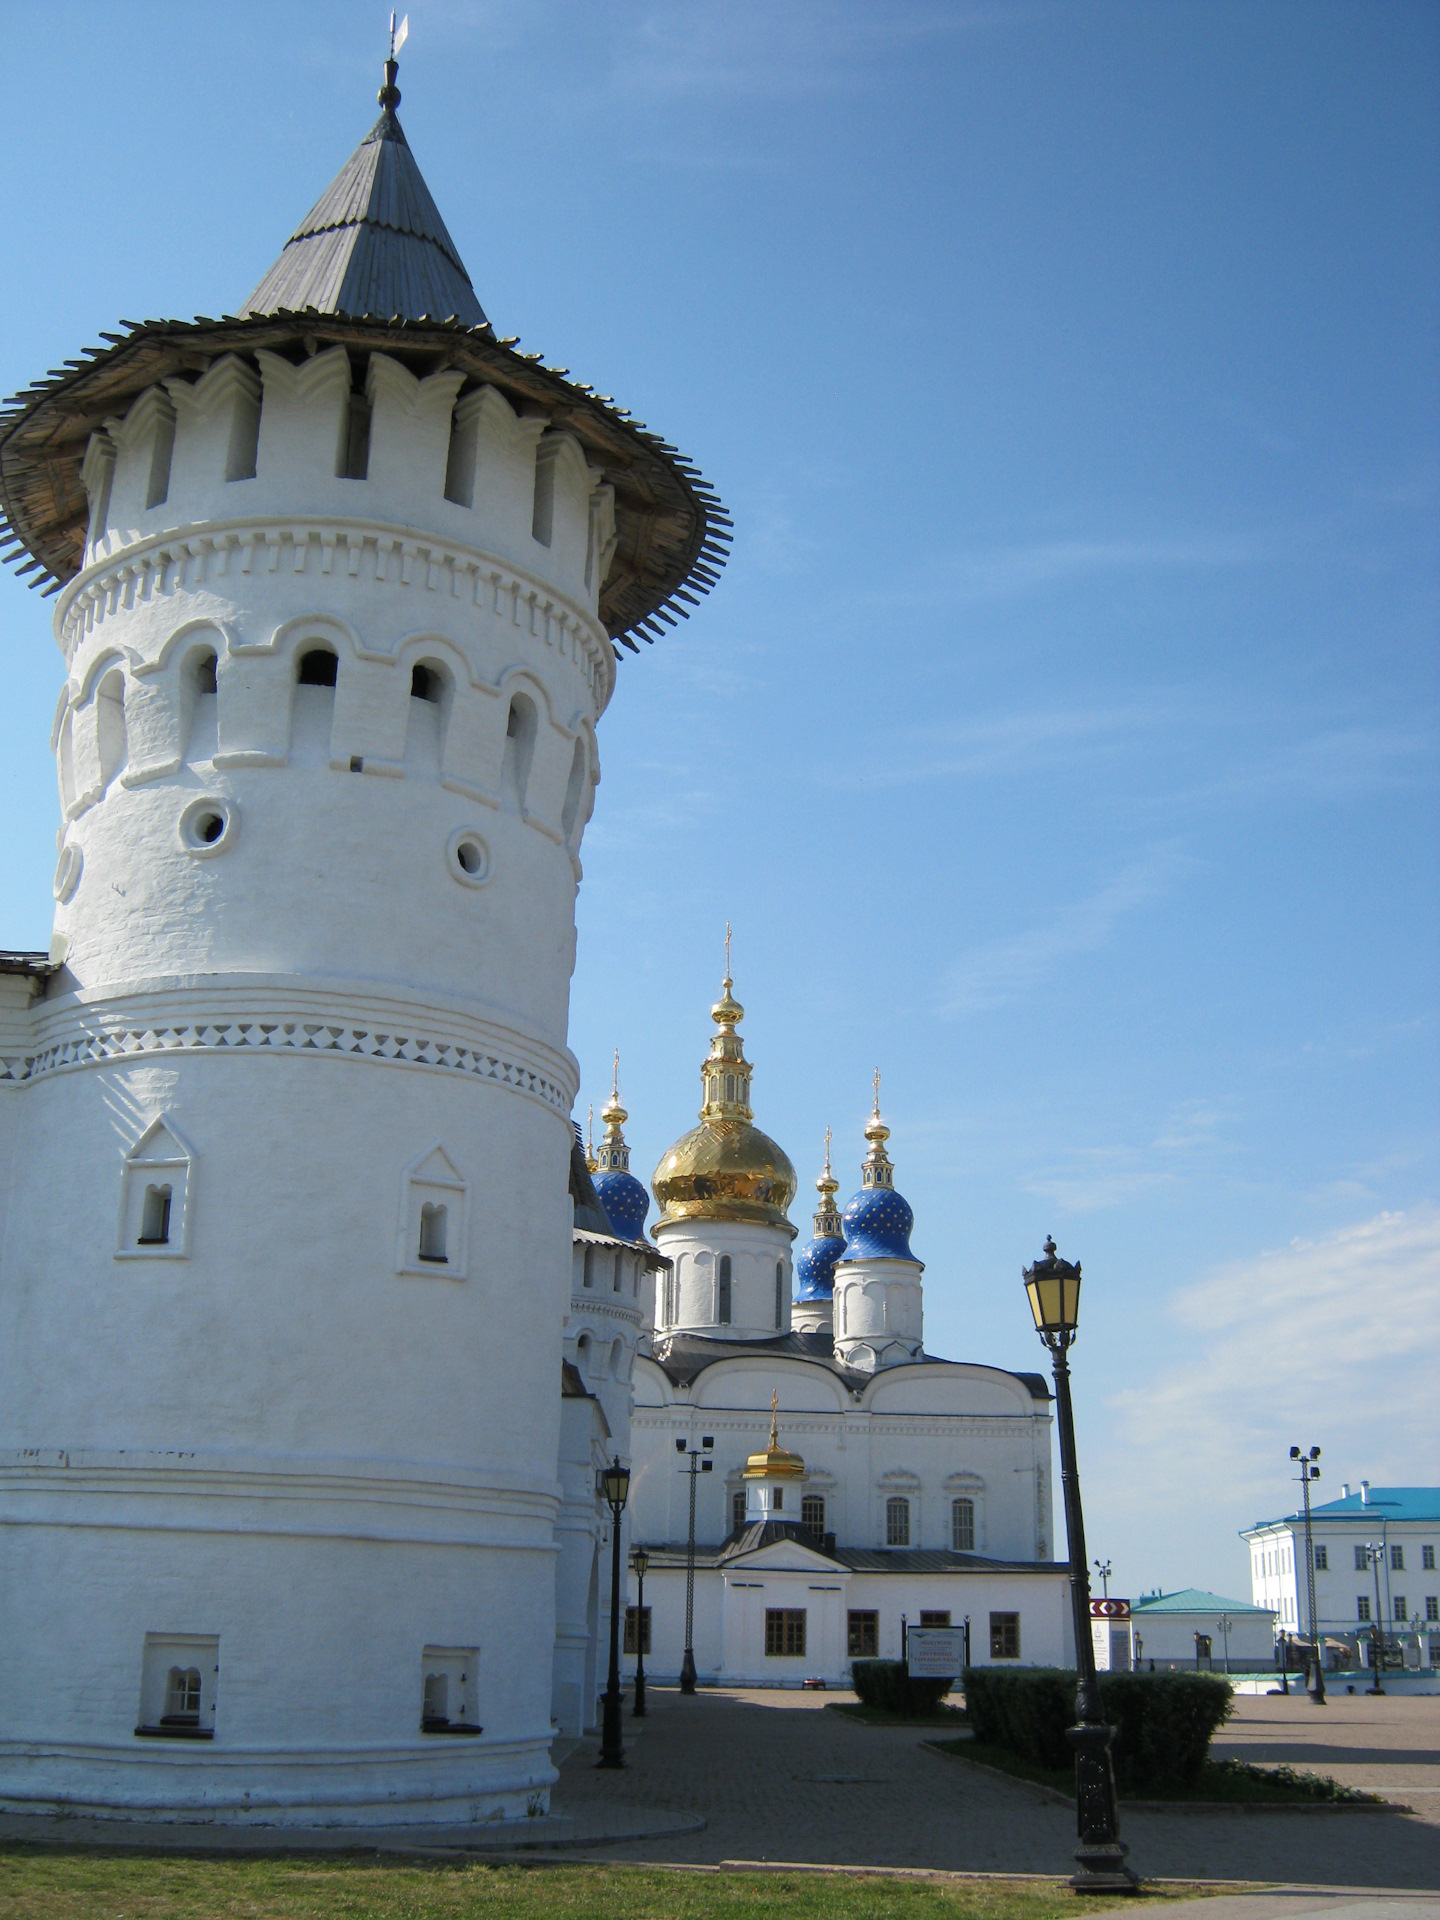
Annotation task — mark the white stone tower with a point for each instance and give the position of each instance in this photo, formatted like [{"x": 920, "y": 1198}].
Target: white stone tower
[{"x": 283, "y": 1132}]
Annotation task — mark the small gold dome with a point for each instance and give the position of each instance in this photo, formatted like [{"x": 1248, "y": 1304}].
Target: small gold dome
[
  {"x": 726, "y": 1168},
  {"x": 775, "y": 1463}
]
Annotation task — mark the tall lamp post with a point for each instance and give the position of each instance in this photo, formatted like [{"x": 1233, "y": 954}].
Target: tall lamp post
[
  {"x": 1308, "y": 1472},
  {"x": 1104, "y": 1569},
  {"x": 697, "y": 1461},
  {"x": 1375, "y": 1555},
  {"x": 1224, "y": 1624},
  {"x": 615, "y": 1485},
  {"x": 640, "y": 1561},
  {"x": 1053, "y": 1287}
]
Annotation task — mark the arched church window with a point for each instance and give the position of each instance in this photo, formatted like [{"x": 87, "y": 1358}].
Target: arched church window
[
  {"x": 812, "y": 1515},
  {"x": 729, "y": 1086},
  {"x": 779, "y": 1294},
  {"x": 433, "y": 1217},
  {"x": 617, "y": 1358},
  {"x": 897, "y": 1521},
  {"x": 589, "y": 1266},
  {"x": 521, "y": 727},
  {"x": 962, "y": 1526},
  {"x": 722, "y": 1292},
  {"x": 582, "y": 1354},
  {"x": 737, "y": 1511}
]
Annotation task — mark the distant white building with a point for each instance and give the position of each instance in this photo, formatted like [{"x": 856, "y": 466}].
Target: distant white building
[
  {"x": 1375, "y": 1561},
  {"x": 1201, "y": 1630}
]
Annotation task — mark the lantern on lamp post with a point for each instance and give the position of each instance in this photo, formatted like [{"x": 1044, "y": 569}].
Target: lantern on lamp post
[{"x": 1053, "y": 1288}]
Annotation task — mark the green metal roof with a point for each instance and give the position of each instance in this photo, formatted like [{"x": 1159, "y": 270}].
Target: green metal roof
[{"x": 1193, "y": 1600}]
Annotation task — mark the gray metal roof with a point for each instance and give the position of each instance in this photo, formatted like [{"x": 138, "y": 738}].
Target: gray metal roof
[
  {"x": 683, "y": 1357},
  {"x": 372, "y": 245}
]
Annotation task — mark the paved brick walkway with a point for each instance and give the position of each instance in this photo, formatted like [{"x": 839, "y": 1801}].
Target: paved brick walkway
[{"x": 778, "y": 1778}]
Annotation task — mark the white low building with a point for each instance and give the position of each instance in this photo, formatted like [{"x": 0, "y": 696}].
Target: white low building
[{"x": 1203, "y": 1631}]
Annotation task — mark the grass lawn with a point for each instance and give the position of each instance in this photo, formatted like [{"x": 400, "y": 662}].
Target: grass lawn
[
  {"x": 1222, "y": 1782},
  {"x": 46, "y": 1884}
]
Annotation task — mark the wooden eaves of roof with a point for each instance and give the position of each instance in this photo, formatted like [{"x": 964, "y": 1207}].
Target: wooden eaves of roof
[{"x": 672, "y": 533}]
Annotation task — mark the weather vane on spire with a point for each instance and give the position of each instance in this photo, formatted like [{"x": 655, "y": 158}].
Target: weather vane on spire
[{"x": 389, "y": 94}]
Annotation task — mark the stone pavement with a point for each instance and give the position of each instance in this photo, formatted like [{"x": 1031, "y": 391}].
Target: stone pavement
[{"x": 777, "y": 1778}]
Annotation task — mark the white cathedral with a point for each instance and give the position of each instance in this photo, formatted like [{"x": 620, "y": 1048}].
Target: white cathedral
[{"x": 314, "y": 1326}]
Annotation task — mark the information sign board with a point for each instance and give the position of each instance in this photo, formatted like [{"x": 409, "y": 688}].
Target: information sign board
[{"x": 935, "y": 1653}]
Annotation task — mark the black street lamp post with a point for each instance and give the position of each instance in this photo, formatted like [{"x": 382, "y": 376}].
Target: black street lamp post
[
  {"x": 697, "y": 1461},
  {"x": 615, "y": 1485},
  {"x": 1308, "y": 1472},
  {"x": 640, "y": 1561},
  {"x": 1104, "y": 1569},
  {"x": 1053, "y": 1286}
]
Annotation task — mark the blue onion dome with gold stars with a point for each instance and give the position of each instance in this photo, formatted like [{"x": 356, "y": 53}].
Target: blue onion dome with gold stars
[
  {"x": 815, "y": 1262},
  {"x": 878, "y": 1221},
  {"x": 726, "y": 1168},
  {"x": 623, "y": 1196}
]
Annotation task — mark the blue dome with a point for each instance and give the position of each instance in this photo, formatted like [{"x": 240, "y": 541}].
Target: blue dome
[
  {"x": 626, "y": 1201},
  {"x": 877, "y": 1226},
  {"x": 815, "y": 1267}
]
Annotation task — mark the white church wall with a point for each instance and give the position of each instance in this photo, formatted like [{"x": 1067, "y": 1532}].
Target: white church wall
[{"x": 754, "y": 1252}]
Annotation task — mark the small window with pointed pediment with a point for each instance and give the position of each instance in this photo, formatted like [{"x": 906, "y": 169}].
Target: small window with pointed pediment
[
  {"x": 434, "y": 1216},
  {"x": 156, "y": 1191}
]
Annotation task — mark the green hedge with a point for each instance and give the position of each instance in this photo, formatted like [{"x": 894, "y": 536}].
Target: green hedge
[
  {"x": 1163, "y": 1721},
  {"x": 887, "y": 1684}
]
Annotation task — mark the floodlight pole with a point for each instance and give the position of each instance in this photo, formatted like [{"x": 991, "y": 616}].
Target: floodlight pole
[
  {"x": 695, "y": 1462},
  {"x": 1308, "y": 1472}
]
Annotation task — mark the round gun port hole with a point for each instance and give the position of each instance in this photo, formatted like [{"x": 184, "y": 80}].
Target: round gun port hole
[
  {"x": 209, "y": 828},
  {"x": 470, "y": 856}
]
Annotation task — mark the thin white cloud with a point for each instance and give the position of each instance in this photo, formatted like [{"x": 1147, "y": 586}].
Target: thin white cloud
[
  {"x": 1328, "y": 1342},
  {"x": 1090, "y": 1179},
  {"x": 999, "y": 971},
  {"x": 1004, "y": 573}
]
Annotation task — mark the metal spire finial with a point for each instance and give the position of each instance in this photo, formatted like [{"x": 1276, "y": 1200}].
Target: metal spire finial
[
  {"x": 774, "y": 1419},
  {"x": 615, "y": 1080},
  {"x": 389, "y": 94},
  {"x": 827, "y": 1153},
  {"x": 727, "y": 953},
  {"x": 877, "y": 1093}
]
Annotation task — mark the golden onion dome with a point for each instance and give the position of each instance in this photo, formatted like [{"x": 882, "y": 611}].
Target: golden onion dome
[
  {"x": 775, "y": 1463},
  {"x": 726, "y": 1168}
]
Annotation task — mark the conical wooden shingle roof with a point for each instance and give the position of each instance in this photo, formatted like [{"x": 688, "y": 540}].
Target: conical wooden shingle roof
[{"x": 372, "y": 245}]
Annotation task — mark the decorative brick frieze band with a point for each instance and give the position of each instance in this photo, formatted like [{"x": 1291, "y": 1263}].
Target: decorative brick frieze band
[{"x": 104, "y": 1044}]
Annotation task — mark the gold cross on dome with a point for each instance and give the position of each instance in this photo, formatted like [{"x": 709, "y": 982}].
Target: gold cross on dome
[
  {"x": 727, "y": 949},
  {"x": 877, "y": 1089}
]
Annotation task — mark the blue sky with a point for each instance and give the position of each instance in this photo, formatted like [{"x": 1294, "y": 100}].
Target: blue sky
[{"x": 1062, "y": 738}]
